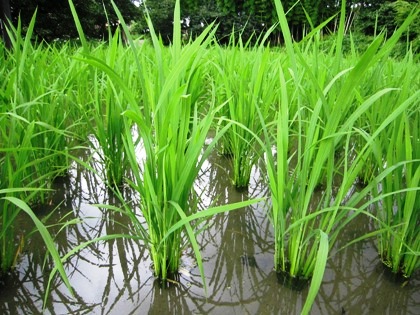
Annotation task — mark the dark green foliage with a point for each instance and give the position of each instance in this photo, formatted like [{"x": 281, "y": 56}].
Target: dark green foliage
[
  {"x": 4, "y": 17},
  {"x": 161, "y": 14},
  {"x": 247, "y": 18},
  {"x": 54, "y": 19},
  {"x": 387, "y": 16}
]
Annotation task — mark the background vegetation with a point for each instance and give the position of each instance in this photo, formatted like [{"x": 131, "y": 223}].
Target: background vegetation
[
  {"x": 247, "y": 17},
  {"x": 54, "y": 19}
]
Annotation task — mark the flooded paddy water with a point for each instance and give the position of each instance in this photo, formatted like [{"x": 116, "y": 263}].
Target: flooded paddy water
[{"x": 115, "y": 277}]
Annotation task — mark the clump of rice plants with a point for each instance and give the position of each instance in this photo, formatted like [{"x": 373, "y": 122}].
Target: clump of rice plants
[
  {"x": 305, "y": 146},
  {"x": 103, "y": 103},
  {"x": 34, "y": 137},
  {"x": 35, "y": 95},
  {"x": 396, "y": 149},
  {"x": 398, "y": 209},
  {"x": 391, "y": 73},
  {"x": 108, "y": 105},
  {"x": 172, "y": 139},
  {"x": 164, "y": 136},
  {"x": 245, "y": 80}
]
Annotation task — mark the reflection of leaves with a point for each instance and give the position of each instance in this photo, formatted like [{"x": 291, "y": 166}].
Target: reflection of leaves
[
  {"x": 47, "y": 240},
  {"x": 249, "y": 261}
]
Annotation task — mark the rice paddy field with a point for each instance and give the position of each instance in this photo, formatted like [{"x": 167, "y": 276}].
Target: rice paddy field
[{"x": 208, "y": 179}]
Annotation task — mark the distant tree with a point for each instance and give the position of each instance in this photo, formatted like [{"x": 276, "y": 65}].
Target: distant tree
[
  {"x": 200, "y": 14},
  {"x": 402, "y": 9},
  {"x": 246, "y": 17},
  {"x": 54, "y": 18},
  {"x": 386, "y": 16},
  {"x": 254, "y": 17},
  {"x": 250, "y": 18},
  {"x": 5, "y": 17},
  {"x": 161, "y": 13}
]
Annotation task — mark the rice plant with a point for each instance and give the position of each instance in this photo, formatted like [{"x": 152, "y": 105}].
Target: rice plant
[
  {"x": 172, "y": 140},
  {"x": 36, "y": 91},
  {"x": 245, "y": 80},
  {"x": 107, "y": 106},
  {"x": 35, "y": 139},
  {"x": 392, "y": 73},
  {"x": 166, "y": 146},
  {"x": 399, "y": 245},
  {"x": 35, "y": 132}
]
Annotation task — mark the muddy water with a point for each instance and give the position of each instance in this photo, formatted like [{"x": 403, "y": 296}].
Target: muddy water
[{"x": 114, "y": 277}]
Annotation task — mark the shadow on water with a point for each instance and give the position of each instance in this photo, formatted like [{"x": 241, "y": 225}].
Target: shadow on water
[{"x": 115, "y": 277}]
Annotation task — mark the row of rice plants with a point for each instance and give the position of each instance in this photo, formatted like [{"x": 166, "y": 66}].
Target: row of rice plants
[
  {"x": 304, "y": 235},
  {"x": 35, "y": 134},
  {"x": 396, "y": 147}
]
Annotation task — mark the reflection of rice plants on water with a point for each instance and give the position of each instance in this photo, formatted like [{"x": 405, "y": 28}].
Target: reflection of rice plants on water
[{"x": 318, "y": 116}]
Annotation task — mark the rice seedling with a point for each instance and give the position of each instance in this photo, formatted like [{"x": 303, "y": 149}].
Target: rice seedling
[
  {"x": 108, "y": 121},
  {"x": 35, "y": 138},
  {"x": 395, "y": 194},
  {"x": 391, "y": 73},
  {"x": 399, "y": 245},
  {"x": 108, "y": 100},
  {"x": 245, "y": 80},
  {"x": 35, "y": 93},
  {"x": 172, "y": 141},
  {"x": 22, "y": 175}
]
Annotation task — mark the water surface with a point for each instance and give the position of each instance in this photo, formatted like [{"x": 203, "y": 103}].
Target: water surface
[{"x": 115, "y": 277}]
